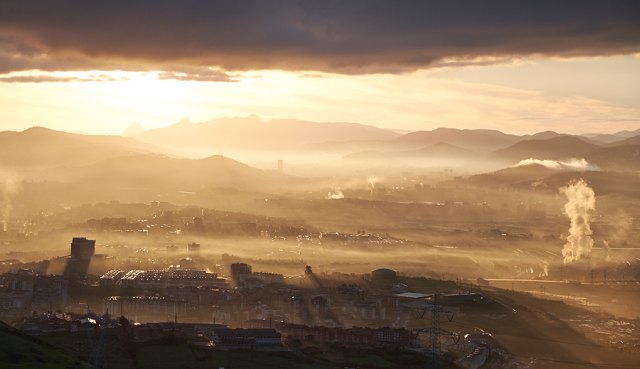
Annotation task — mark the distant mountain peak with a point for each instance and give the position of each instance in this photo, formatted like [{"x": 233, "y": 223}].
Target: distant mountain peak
[
  {"x": 628, "y": 133},
  {"x": 37, "y": 129},
  {"x": 133, "y": 129},
  {"x": 446, "y": 129},
  {"x": 544, "y": 135},
  {"x": 184, "y": 120},
  {"x": 250, "y": 132}
]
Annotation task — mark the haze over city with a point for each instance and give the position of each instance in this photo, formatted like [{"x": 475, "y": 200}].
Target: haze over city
[{"x": 319, "y": 184}]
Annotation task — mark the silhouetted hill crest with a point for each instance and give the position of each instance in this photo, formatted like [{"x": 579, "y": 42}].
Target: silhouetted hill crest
[{"x": 560, "y": 147}]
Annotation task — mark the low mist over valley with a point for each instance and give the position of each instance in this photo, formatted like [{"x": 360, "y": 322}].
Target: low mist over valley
[
  {"x": 293, "y": 184},
  {"x": 551, "y": 214}
]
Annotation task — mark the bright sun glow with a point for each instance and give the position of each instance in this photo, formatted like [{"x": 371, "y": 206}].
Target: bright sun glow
[{"x": 109, "y": 101}]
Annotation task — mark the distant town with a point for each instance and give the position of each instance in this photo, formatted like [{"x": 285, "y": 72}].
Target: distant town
[{"x": 231, "y": 306}]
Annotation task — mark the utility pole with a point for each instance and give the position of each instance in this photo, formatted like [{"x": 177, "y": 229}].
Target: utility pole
[
  {"x": 97, "y": 347},
  {"x": 434, "y": 331}
]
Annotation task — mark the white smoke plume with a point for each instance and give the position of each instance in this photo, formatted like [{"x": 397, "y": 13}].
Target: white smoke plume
[
  {"x": 606, "y": 251},
  {"x": 581, "y": 200},
  {"x": 335, "y": 194},
  {"x": 571, "y": 165},
  {"x": 372, "y": 183},
  {"x": 9, "y": 186},
  {"x": 545, "y": 271}
]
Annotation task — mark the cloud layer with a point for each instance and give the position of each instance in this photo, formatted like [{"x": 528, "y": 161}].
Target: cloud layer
[{"x": 201, "y": 40}]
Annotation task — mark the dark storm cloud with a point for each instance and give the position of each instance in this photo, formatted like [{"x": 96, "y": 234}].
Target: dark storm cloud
[{"x": 347, "y": 36}]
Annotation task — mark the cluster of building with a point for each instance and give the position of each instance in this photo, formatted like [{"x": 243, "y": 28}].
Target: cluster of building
[
  {"x": 337, "y": 308},
  {"x": 24, "y": 291},
  {"x": 172, "y": 293},
  {"x": 242, "y": 274},
  {"x": 206, "y": 335},
  {"x": 55, "y": 322},
  {"x": 168, "y": 220},
  {"x": 355, "y": 336},
  {"x": 359, "y": 238},
  {"x": 253, "y": 297}
]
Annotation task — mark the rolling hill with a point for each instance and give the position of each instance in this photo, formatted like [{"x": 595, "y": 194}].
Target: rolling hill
[
  {"x": 539, "y": 176},
  {"x": 164, "y": 173},
  {"x": 20, "y": 351},
  {"x": 253, "y": 134},
  {"x": 611, "y": 138},
  {"x": 619, "y": 157},
  {"x": 560, "y": 147},
  {"x": 39, "y": 148},
  {"x": 628, "y": 134},
  {"x": 603, "y": 183},
  {"x": 633, "y": 140},
  {"x": 475, "y": 140},
  {"x": 437, "y": 151},
  {"x": 471, "y": 139},
  {"x": 217, "y": 181},
  {"x": 512, "y": 175}
]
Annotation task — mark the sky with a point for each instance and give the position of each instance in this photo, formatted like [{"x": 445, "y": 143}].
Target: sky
[{"x": 520, "y": 67}]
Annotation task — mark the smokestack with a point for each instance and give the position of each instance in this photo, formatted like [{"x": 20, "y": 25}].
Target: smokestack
[{"x": 581, "y": 201}]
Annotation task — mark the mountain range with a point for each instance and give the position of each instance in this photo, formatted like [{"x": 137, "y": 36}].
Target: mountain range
[
  {"x": 357, "y": 142},
  {"x": 254, "y": 134},
  {"x": 41, "y": 153},
  {"x": 107, "y": 163}
]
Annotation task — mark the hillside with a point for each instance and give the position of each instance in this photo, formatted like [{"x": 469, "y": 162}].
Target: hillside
[
  {"x": 512, "y": 175},
  {"x": 161, "y": 172},
  {"x": 474, "y": 140},
  {"x": 619, "y": 157},
  {"x": 560, "y": 147},
  {"x": 20, "y": 351},
  {"x": 633, "y": 140},
  {"x": 252, "y": 133},
  {"x": 603, "y": 183},
  {"x": 471, "y": 139},
  {"x": 38, "y": 148},
  {"x": 611, "y": 138},
  {"x": 628, "y": 133}
]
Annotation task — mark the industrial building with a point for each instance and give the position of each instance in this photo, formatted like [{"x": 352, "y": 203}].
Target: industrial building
[
  {"x": 161, "y": 279},
  {"x": 82, "y": 251},
  {"x": 147, "y": 306}
]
